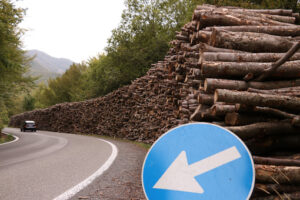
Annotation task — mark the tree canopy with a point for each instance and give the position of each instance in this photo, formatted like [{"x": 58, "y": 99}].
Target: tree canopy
[
  {"x": 141, "y": 39},
  {"x": 13, "y": 64}
]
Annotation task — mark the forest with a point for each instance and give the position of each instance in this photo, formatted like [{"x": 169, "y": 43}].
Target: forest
[{"x": 142, "y": 38}]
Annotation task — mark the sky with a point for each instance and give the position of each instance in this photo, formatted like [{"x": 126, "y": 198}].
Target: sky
[{"x": 73, "y": 29}]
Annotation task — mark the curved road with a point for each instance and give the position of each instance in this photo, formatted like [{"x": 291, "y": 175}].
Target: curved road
[{"x": 43, "y": 165}]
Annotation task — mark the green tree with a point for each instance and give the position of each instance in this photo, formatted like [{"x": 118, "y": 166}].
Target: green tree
[
  {"x": 141, "y": 39},
  {"x": 71, "y": 86},
  {"x": 28, "y": 103},
  {"x": 13, "y": 64}
]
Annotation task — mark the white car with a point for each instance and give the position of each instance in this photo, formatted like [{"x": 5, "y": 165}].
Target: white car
[{"x": 28, "y": 125}]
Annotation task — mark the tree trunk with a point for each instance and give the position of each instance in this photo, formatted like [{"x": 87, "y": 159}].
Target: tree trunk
[
  {"x": 272, "y": 144},
  {"x": 268, "y": 72},
  {"x": 264, "y": 17},
  {"x": 210, "y": 18},
  {"x": 255, "y": 99},
  {"x": 296, "y": 121},
  {"x": 222, "y": 110},
  {"x": 207, "y": 48},
  {"x": 262, "y": 129},
  {"x": 197, "y": 115},
  {"x": 239, "y": 70},
  {"x": 206, "y": 99},
  {"x": 291, "y": 91},
  {"x": 275, "y": 188},
  {"x": 283, "y": 12},
  {"x": 272, "y": 112},
  {"x": 251, "y": 42},
  {"x": 236, "y": 119},
  {"x": 225, "y": 17},
  {"x": 244, "y": 57},
  {"x": 276, "y": 161},
  {"x": 201, "y": 36},
  {"x": 277, "y": 174},
  {"x": 207, "y": 116},
  {"x": 285, "y": 196},
  {"x": 210, "y": 85},
  {"x": 289, "y": 31},
  {"x": 284, "y": 19}
]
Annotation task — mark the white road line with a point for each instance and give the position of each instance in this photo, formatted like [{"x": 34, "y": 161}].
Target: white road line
[
  {"x": 16, "y": 139},
  {"x": 72, "y": 191}
]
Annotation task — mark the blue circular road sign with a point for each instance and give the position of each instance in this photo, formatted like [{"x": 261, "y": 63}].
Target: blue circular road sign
[{"x": 198, "y": 161}]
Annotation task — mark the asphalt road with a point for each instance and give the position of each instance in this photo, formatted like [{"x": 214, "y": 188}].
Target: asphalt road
[{"x": 43, "y": 165}]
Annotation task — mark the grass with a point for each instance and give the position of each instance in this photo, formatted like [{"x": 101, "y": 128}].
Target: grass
[
  {"x": 140, "y": 144},
  {"x": 6, "y": 138},
  {"x": 143, "y": 145}
]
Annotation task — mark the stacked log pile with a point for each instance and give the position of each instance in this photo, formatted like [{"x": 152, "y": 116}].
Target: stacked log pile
[
  {"x": 237, "y": 68},
  {"x": 141, "y": 111},
  {"x": 240, "y": 69}
]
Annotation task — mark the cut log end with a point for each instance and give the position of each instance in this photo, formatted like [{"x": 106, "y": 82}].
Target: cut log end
[
  {"x": 231, "y": 119},
  {"x": 216, "y": 96}
]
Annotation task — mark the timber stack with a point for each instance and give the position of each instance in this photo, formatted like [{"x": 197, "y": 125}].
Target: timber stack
[
  {"x": 237, "y": 68},
  {"x": 142, "y": 111},
  {"x": 240, "y": 69}
]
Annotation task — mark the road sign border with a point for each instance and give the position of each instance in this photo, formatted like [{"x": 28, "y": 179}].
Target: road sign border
[{"x": 253, "y": 166}]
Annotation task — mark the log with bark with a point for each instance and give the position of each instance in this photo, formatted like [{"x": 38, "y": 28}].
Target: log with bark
[
  {"x": 212, "y": 52},
  {"x": 243, "y": 57},
  {"x": 284, "y": 196},
  {"x": 283, "y": 12},
  {"x": 250, "y": 42},
  {"x": 241, "y": 69},
  {"x": 290, "y": 91},
  {"x": 210, "y": 84},
  {"x": 272, "y": 112},
  {"x": 272, "y": 69},
  {"x": 290, "y": 31},
  {"x": 275, "y": 161},
  {"x": 222, "y": 109},
  {"x": 277, "y": 174},
  {"x": 237, "y": 119},
  {"x": 263, "y": 129},
  {"x": 205, "y": 99},
  {"x": 256, "y": 99}
]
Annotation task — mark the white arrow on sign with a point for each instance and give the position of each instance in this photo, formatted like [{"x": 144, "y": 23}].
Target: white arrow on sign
[{"x": 180, "y": 176}]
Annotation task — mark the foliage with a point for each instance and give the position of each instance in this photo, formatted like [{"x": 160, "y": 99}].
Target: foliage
[
  {"x": 6, "y": 138},
  {"x": 12, "y": 59},
  {"x": 142, "y": 38},
  {"x": 69, "y": 87},
  {"x": 28, "y": 103}
]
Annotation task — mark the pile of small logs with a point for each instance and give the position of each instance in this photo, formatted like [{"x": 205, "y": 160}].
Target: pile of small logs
[
  {"x": 237, "y": 68},
  {"x": 141, "y": 111},
  {"x": 240, "y": 69}
]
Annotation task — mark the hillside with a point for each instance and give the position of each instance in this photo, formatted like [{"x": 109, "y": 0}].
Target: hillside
[{"x": 46, "y": 66}]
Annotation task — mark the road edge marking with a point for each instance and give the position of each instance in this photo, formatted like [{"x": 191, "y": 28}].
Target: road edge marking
[
  {"x": 16, "y": 138},
  {"x": 74, "y": 190}
]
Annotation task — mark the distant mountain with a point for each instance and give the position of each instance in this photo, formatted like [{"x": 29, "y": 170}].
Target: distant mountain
[{"x": 46, "y": 66}]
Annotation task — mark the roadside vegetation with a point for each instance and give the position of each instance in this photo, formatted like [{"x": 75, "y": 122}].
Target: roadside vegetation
[
  {"x": 5, "y": 138},
  {"x": 140, "y": 144},
  {"x": 13, "y": 64},
  {"x": 142, "y": 38}
]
